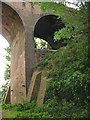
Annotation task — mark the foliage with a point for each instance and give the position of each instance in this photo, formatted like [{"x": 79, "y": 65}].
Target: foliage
[
  {"x": 40, "y": 43},
  {"x": 8, "y": 58},
  {"x": 8, "y": 53},
  {"x": 66, "y": 32},
  {"x": 50, "y": 109},
  {"x": 69, "y": 72},
  {"x": 74, "y": 19},
  {"x": 67, "y": 91},
  {"x": 25, "y": 110},
  {"x": 0, "y": 96},
  {"x": 7, "y": 71},
  {"x": 68, "y": 67}
]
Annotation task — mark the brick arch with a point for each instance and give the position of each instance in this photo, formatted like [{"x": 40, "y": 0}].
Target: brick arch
[
  {"x": 45, "y": 28},
  {"x": 13, "y": 31},
  {"x": 11, "y": 23},
  {"x": 18, "y": 20}
]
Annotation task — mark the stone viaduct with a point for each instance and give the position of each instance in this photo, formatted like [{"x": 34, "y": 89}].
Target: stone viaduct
[{"x": 20, "y": 22}]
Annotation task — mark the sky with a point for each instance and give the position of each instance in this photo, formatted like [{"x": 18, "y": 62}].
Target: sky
[{"x": 3, "y": 44}]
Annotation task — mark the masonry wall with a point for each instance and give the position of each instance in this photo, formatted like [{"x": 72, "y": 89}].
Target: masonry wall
[{"x": 18, "y": 22}]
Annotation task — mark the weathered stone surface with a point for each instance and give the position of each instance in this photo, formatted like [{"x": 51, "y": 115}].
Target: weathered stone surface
[
  {"x": 21, "y": 22},
  {"x": 17, "y": 29},
  {"x": 34, "y": 86},
  {"x": 6, "y": 98},
  {"x": 42, "y": 89}
]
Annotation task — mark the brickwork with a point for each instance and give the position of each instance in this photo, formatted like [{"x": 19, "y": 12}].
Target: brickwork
[{"x": 21, "y": 21}]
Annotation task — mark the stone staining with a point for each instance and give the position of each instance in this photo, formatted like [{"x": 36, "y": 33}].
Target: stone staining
[
  {"x": 17, "y": 28},
  {"x": 23, "y": 3}
]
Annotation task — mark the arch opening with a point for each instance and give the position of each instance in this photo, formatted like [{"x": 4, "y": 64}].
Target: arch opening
[
  {"x": 45, "y": 28},
  {"x": 3, "y": 62},
  {"x": 13, "y": 31},
  {"x": 11, "y": 23}
]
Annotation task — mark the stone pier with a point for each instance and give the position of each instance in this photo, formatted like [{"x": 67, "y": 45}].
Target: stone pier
[{"x": 20, "y": 22}]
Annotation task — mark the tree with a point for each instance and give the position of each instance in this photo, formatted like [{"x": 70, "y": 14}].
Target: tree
[
  {"x": 68, "y": 68},
  {"x": 7, "y": 71},
  {"x": 8, "y": 58}
]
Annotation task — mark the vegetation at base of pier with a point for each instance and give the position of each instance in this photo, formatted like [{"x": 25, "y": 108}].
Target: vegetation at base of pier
[
  {"x": 50, "y": 109},
  {"x": 68, "y": 68}
]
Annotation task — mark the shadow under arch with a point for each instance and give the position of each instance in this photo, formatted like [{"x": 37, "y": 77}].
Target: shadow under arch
[
  {"x": 46, "y": 27},
  {"x": 12, "y": 23}
]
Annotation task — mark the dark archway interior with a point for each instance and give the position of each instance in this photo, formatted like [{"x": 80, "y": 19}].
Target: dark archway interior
[{"x": 46, "y": 27}]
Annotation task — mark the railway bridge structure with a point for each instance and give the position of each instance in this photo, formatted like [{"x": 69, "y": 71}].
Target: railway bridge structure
[{"x": 20, "y": 22}]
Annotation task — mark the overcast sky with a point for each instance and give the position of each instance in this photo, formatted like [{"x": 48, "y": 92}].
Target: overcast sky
[{"x": 3, "y": 44}]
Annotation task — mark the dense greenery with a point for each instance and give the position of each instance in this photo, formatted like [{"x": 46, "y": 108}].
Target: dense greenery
[
  {"x": 68, "y": 67},
  {"x": 8, "y": 58},
  {"x": 0, "y": 96},
  {"x": 74, "y": 19},
  {"x": 67, "y": 91},
  {"x": 7, "y": 71}
]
